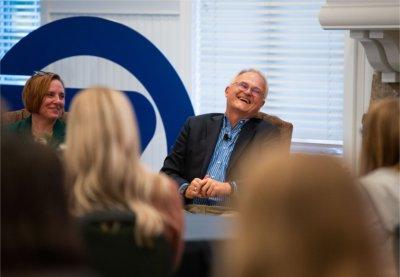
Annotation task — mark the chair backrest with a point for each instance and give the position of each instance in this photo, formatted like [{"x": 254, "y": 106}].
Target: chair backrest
[
  {"x": 112, "y": 251},
  {"x": 285, "y": 128},
  {"x": 13, "y": 116}
]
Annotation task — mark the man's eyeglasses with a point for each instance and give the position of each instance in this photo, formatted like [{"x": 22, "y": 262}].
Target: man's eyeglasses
[
  {"x": 42, "y": 73},
  {"x": 243, "y": 86}
]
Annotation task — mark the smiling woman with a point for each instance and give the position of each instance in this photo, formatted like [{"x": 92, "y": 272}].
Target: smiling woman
[{"x": 44, "y": 97}]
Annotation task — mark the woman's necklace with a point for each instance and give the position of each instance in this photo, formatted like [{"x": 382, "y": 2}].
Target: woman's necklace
[{"x": 42, "y": 137}]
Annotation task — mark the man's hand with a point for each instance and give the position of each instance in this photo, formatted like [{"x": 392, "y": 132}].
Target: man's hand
[
  {"x": 194, "y": 188},
  {"x": 213, "y": 188}
]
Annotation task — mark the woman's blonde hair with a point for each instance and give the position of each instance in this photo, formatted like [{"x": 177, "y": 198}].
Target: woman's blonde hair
[
  {"x": 380, "y": 136},
  {"x": 102, "y": 157},
  {"x": 300, "y": 216}
]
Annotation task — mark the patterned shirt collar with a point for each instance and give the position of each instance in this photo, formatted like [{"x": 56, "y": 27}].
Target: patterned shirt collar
[{"x": 228, "y": 127}]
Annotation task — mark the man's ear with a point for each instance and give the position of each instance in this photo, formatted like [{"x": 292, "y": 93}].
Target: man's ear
[
  {"x": 265, "y": 97},
  {"x": 226, "y": 90}
]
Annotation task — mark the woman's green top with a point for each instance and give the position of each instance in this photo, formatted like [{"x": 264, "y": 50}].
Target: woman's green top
[{"x": 24, "y": 126}]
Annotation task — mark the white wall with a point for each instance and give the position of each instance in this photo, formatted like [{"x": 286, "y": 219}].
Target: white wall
[
  {"x": 357, "y": 91},
  {"x": 166, "y": 24}
]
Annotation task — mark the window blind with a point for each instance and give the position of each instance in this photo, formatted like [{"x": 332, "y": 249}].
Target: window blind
[
  {"x": 303, "y": 64},
  {"x": 18, "y": 18}
]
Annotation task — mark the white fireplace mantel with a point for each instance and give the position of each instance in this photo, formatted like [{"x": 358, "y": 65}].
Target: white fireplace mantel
[{"x": 375, "y": 24}]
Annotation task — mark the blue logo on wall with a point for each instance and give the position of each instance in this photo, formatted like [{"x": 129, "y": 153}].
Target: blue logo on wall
[{"x": 113, "y": 41}]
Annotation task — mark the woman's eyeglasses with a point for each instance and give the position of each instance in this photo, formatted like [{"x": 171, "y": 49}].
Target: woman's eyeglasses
[{"x": 42, "y": 73}]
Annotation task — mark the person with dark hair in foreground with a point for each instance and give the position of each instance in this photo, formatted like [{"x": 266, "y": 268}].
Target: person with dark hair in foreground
[{"x": 38, "y": 236}]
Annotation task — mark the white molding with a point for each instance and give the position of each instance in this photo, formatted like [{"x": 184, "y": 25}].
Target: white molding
[
  {"x": 362, "y": 16},
  {"x": 52, "y": 8},
  {"x": 170, "y": 7},
  {"x": 363, "y": 95},
  {"x": 349, "y": 101},
  {"x": 382, "y": 50},
  {"x": 375, "y": 24},
  {"x": 195, "y": 59},
  {"x": 389, "y": 41},
  {"x": 186, "y": 27},
  {"x": 363, "y": 2},
  {"x": 357, "y": 91}
]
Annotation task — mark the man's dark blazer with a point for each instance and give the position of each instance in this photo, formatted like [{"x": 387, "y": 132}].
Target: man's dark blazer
[{"x": 194, "y": 147}]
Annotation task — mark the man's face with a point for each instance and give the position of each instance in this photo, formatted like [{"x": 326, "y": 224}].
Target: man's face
[{"x": 246, "y": 95}]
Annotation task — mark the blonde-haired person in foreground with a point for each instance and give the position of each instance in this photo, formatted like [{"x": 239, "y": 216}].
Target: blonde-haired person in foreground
[
  {"x": 380, "y": 168},
  {"x": 301, "y": 216},
  {"x": 102, "y": 157}
]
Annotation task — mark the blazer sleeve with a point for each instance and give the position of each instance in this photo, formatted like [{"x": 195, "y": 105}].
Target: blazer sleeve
[{"x": 174, "y": 163}]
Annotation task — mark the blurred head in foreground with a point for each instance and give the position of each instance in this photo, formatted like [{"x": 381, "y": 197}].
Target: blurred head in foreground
[
  {"x": 102, "y": 156},
  {"x": 380, "y": 142},
  {"x": 37, "y": 232},
  {"x": 301, "y": 216}
]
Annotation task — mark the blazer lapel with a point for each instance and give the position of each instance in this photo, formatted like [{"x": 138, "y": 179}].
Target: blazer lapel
[
  {"x": 245, "y": 136},
  {"x": 213, "y": 128}
]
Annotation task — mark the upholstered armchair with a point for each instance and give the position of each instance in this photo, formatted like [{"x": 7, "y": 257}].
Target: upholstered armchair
[
  {"x": 285, "y": 128},
  {"x": 13, "y": 116}
]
